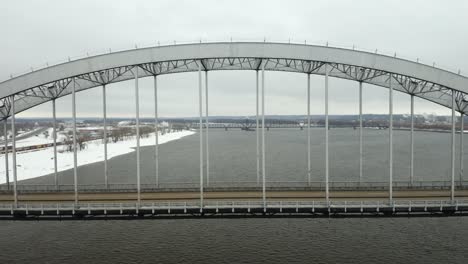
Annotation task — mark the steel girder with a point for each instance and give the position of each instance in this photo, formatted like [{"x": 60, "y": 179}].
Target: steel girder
[{"x": 421, "y": 88}]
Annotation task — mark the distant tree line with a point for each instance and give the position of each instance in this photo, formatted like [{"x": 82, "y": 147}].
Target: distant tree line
[{"x": 123, "y": 133}]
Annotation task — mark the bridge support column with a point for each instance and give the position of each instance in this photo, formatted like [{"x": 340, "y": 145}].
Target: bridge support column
[
  {"x": 206, "y": 122},
  {"x": 200, "y": 106},
  {"x": 54, "y": 135},
  {"x": 137, "y": 128},
  {"x": 390, "y": 139},
  {"x": 308, "y": 132},
  {"x": 263, "y": 140},
  {"x": 360, "y": 132},
  {"x": 327, "y": 170},
  {"x": 104, "y": 114},
  {"x": 452, "y": 154},
  {"x": 13, "y": 148},
  {"x": 257, "y": 129},
  {"x": 156, "y": 132},
  {"x": 412, "y": 142},
  {"x": 462, "y": 154},
  {"x": 75, "y": 158},
  {"x": 5, "y": 133}
]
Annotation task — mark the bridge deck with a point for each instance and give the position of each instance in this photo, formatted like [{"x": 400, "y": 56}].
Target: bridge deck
[{"x": 60, "y": 205}]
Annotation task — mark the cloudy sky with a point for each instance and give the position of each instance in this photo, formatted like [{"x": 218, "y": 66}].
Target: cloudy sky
[{"x": 36, "y": 32}]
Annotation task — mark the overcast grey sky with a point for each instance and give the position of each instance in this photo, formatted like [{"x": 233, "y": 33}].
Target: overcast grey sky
[{"x": 36, "y": 32}]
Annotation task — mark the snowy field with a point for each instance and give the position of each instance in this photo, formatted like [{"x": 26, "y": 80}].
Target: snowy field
[{"x": 39, "y": 163}]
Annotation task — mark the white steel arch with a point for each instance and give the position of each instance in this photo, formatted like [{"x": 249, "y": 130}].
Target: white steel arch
[{"x": 417, "y": 79}]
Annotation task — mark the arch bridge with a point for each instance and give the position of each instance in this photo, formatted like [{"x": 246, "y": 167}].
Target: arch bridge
[{"x": 415, "y": 79}]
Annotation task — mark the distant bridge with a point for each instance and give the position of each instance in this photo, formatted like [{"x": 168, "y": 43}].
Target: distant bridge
[
  {"x": 281, "y": 125},
  {"x": 272, "y": 123},
  {"x": 413, "y": 78}
]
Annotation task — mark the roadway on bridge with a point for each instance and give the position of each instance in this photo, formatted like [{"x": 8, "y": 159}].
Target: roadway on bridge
[{"x": 233, "y": 195}]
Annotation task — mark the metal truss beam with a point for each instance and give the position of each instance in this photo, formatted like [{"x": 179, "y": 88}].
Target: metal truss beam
[{"x": 420, "y": 88}]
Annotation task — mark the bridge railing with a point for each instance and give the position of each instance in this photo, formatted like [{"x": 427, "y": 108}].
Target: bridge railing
[
  {"x": 234, "y": 204},
  {"x": 241, "y": 185}
]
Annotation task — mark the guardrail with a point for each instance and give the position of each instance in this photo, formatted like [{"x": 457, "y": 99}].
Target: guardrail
[
  {"x": 235, "y": 207},
  {"x": 237, "y": 186}
]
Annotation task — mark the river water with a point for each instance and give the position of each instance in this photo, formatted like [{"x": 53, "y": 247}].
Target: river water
[
  {"x": 254, "y": 240},
  {"x": 233, "y": 158}
]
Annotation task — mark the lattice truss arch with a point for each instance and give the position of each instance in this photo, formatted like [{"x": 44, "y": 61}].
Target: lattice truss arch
[
  {"x": 406, "y": 84},
  {"x": 420, "y": 88}
]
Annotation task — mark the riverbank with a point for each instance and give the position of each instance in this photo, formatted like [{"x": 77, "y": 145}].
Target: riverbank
[{"x": 39, "y": 163}]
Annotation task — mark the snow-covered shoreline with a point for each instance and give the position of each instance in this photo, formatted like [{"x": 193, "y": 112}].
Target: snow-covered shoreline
[{"x": 39, "y": 163}]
